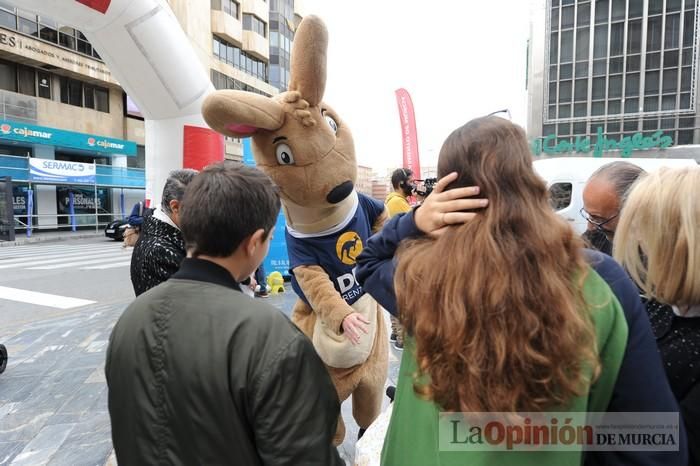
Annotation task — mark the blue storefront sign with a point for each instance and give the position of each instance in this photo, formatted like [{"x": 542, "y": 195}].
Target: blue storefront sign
[
  {"x": 33, "y": 134},
  {"x": 61, "y": 171},
  {"x": 277, "y": 259}
]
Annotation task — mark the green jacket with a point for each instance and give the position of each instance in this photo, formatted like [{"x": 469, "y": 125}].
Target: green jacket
[
  {"x": 412, "y": 437},
  {"x": 198, "y": 373}
]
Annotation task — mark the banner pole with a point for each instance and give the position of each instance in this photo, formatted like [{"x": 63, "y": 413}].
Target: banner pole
[{"x": 97, "y": 222}]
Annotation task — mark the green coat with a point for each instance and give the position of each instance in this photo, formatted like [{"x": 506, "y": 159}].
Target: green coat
[
  {"x": 412, "y": 437},
  {"x": 198, "y": 373}
]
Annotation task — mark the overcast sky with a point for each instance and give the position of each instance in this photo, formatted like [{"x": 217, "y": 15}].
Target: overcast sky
[{"x": 459, "y": 59}]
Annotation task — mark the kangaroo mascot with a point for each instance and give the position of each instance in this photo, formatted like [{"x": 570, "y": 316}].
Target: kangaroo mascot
[{"x": 304, "y": 146}]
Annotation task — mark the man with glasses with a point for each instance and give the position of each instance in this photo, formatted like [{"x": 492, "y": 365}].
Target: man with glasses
[{"x": 603, "y": 197}]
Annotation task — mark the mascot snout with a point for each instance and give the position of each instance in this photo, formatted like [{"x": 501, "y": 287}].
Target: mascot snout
[{"x": 340, "y": 192}]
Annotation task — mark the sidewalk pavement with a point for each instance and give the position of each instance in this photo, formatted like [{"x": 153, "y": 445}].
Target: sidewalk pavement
[
  {"x": 53, "y": 395},
  {"x": 47, "y": 236}
]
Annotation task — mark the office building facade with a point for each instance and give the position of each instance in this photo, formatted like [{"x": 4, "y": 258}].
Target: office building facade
[
  {"x": 60, "y": 102},
  {"x": 610, "y": 69}
]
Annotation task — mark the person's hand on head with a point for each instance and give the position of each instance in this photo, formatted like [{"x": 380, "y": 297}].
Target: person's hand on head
[
  {"x": 353, "y": 324},
  {"x": 444, "y": 208}
]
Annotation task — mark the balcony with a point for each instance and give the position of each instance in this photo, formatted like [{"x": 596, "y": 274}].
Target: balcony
[
  {"x": 227, "y": 27},
  {"x": 256, "y": 45}
]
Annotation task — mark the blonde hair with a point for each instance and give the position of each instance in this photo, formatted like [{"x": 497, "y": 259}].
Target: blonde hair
[{"x": 658, "y": 237}]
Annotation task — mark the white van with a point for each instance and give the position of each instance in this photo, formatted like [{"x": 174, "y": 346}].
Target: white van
[{"x": 567, "y": 176}]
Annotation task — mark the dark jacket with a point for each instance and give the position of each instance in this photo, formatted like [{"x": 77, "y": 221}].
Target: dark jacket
[
  {"x": 678, "y": 339},
  {"x": 157, "y": 254},
  {"x": 135, "y": 219},
  {"x": 198, "y": 373},
  {"x": 641, "y": 385}
]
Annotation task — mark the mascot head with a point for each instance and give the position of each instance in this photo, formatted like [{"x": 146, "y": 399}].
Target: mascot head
[{"x": 298, "y": 139}]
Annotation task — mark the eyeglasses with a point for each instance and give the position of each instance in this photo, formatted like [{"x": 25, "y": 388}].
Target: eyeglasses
[{"x": 597, "y": 221}]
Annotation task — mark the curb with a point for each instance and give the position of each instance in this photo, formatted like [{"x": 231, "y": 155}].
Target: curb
[{"x": 48, "y": 239}]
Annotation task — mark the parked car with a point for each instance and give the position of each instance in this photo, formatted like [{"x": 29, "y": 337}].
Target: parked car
[{"x": 115, "y": 229}]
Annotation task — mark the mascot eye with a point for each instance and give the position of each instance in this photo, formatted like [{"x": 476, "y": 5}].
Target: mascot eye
[
  {"x": 331, "y": 123},
  {"x": 284, "y": 155}
]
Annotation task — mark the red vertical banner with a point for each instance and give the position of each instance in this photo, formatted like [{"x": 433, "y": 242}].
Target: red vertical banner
[
  {"x": 99, "y": 5},
  {"x": 202, "y": 146},
  {"x": 409, "y": 134}
]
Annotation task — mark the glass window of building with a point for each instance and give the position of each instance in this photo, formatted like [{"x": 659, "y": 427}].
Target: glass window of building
[
  {"x": 654, "y": 33},
  {"x": 26, "y": 80},
  {"x": 48, "y": 30},
  {"x": 44, "y": 84},
  {"x": 255, "y": 24},
  {"x": 8, "y": 76},
  {"x": 583, "y": 14},
  {"x": 618, "y": 9},
  {"x": 656, "y": 7},
  {"x": 71, "y": 92},
  {"x": 560, "y": 195},
  {"x": 600, "y": 42},
  {"x": 601, "y": 11},
  {"x": 673, "y": 25}
]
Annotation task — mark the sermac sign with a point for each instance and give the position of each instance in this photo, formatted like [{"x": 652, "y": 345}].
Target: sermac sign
[
  {"x": 549, "y": 145},
  {"x": 59, "y": 171}
]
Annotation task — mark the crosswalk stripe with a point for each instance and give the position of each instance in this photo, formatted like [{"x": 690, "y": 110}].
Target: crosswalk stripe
[
  {"x": 103, "y": 257},
  {"x": 47, "y": 257},
  {"x": 70, "y": 264},
  {"x": 42, "y": 299},
  {"x": 38, "y": 252},
  {"x": 107, "y": 266}
]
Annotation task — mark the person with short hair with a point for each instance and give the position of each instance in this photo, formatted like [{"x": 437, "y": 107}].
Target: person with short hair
[
  {"x": 603, "y": 197},
  {"x": 160, "y": 247},
  {"x": 403, "y": 184},
  {"x": 658, "y": 242},
  {"x": 397, "y": 203},
  {"x": 199, "y": 373}
]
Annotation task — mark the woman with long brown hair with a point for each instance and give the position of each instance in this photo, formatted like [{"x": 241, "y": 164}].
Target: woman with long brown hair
[{"x": 503, "y": 309}]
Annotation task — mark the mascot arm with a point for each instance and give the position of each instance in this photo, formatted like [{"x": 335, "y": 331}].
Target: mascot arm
[
  {"x": 381, "y": 220},
  {"x": 324, "y": 299}
]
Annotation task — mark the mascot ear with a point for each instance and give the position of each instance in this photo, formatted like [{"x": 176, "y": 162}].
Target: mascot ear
[
  {"x": 308, "y": 67},
  {"x": 240, "y": 114}
]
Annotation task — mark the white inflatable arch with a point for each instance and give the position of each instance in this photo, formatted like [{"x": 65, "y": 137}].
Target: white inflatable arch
[{"x": 147, "y": 51}]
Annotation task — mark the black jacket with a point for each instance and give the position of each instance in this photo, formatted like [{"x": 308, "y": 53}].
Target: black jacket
[
  {"x": 198, "y": 373},
  {"x": 157, "y": 254}
]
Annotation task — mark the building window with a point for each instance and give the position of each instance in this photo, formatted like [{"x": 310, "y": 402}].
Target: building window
[
  {"x": 48, "y": 30},
  {"x": 44, "y": 28},
  {"x": 27, "y": 23},
  {"x": 237, "y": 58},
  {"x": 71, "y": 92},
  {"x": 8, "y": 76},
  {"x": 101, "y": 99},
  {"x": 44, "y": 84},
  {"x": 26, "y": 80},
  {"x": 221, "y": 81},
  {"x": 230, "y": 7},
  {"x": 255, "y": 24}
]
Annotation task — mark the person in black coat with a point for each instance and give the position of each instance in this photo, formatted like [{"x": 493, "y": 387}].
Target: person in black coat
[
  {"x": 657, "y": 242},
  {"x": 160, "y": 248}
]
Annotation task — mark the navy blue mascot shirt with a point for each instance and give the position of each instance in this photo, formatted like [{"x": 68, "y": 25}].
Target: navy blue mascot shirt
[{"x": 335, "y": 252}]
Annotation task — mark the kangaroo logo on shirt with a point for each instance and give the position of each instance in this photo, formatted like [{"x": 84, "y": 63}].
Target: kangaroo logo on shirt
[{"x": 348, "y": 247}]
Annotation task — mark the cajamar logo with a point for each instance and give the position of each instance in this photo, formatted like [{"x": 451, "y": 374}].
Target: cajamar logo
[{"x": 348, "y": 247}]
